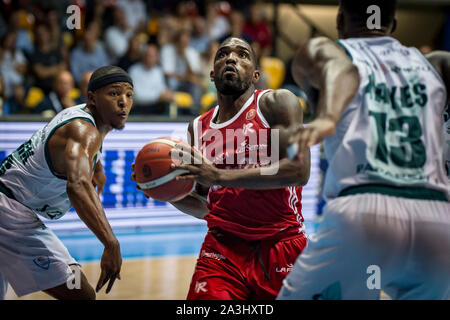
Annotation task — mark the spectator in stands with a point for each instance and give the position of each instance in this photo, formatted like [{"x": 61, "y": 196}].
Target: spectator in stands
[
  {"x": 96, "y": 12},
  {"x": 263, "y": 76},
  {"x": 258, "y": 28},
  {"x": 118, "y": 35},
  {"x": 3, "y": 110},
  {"x": 181, "y": 66},
  {"x": 12, "y": 63},
  {"x": 217, "y": 25},
  {"x": 206, "y": 65},
  {"x": 171, "y": 24},
  {"x": 89, "y": 55},
  {"x": 55, "y": 28},
  {"x": 236, "y": 27},
  {"x": 16, "y": 103},
  {"x": 82, "y": 98},
  {"x": 133, "y": 54},
  {"x": 199, "y": 39},
  {"x": 46, "y": 61},
  {"x": 59, "y": 98},
  {"x": 23, "y": 39},
  {"x": 151, "y": 94},
  {"x": 136, "y": 13}
]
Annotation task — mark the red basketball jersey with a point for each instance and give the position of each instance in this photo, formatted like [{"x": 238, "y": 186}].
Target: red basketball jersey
[{"x": 239, "y": 143}]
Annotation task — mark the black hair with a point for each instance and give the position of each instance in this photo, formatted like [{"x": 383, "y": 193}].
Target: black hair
[{"x": 357, "y": 11}]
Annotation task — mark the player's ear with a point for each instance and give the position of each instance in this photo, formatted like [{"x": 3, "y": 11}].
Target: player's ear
[
  {"x": 393, "y": 26},
  {"x": 211, "y": 76},
  {"x": 91, "y": 98},
  {"x": 256, "y": 75}
]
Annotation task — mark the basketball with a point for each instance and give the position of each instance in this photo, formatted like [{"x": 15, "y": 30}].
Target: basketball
[{"x": 155, "y": 176}]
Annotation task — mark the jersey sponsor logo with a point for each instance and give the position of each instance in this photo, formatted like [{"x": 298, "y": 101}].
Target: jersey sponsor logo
[
  {"x": 285, "y": 269},
  {"x": 250, "y": 114},
  {"x": 212, "y": 255},
  {"x": 42, "y": 262}
]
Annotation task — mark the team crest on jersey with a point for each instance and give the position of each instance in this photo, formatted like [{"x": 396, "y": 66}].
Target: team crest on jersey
[
  {"x": 42, "y": 262},
  {"x": 250, "y": 114}
]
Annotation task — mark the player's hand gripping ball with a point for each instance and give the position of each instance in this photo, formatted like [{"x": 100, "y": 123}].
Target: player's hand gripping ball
[{"x": 154, "y": 174}]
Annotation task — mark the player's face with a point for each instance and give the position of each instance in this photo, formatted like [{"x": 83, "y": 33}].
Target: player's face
[
  {"x": 113, "y": 104},
  {"x": 234, "y": 68}
]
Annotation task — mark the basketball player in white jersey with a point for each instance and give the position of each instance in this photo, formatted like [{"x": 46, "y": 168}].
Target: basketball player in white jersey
[
  {"x": 387, "y": 220},
  {"x": 59, "y": 167}
]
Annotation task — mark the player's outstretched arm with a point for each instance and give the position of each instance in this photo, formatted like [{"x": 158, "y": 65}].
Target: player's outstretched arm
[
  {"x": 441, "y": 62},
  {"x": 82, "y": 143},
  {"x": 328, "y": 68},
  {"x": 282, "y": 110}
]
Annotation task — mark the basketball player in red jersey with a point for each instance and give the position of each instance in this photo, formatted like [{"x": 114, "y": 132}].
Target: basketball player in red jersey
[{"x": 255, "y": 225}]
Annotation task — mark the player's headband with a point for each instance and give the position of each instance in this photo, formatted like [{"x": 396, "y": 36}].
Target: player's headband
[{"x": 106, "y": 79}]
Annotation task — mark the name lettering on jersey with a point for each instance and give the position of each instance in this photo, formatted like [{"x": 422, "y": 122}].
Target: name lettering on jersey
[
  {"x": 245, "y": 147},
  {"x": 408, "y": 96}
]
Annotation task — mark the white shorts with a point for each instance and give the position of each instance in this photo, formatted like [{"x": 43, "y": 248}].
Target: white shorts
[
  {"x": 32, "y": 258},
  {"x": 371, "y": 241}
]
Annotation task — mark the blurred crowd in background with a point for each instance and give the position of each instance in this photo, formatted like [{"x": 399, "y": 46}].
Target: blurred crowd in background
[{"x": 166, "y": 46}]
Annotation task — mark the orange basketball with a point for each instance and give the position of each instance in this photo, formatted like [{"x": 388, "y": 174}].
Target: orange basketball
[{"x": 155, "y": 176}]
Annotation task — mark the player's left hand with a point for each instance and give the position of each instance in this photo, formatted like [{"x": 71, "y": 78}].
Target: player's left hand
[
  {"x": 307, "y": 136},
  {"x": 200, "y": 169}
]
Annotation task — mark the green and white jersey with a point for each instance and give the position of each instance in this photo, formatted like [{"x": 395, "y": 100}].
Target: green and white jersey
[
  {"x": 391, "y": 132},
  {"x": 27, "y": 175}
]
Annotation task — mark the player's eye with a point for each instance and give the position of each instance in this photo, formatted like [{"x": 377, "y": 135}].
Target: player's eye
[{"x": 243, "y": 54}]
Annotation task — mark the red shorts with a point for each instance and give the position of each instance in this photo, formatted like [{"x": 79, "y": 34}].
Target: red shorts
[{"x": 233, "y": 269}]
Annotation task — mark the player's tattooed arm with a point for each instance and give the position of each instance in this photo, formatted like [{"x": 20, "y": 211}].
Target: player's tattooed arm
[{"x": 441, "y": 62}]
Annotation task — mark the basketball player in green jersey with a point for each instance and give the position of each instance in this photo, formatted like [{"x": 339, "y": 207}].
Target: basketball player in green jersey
[{"x": 387, "y": 220}]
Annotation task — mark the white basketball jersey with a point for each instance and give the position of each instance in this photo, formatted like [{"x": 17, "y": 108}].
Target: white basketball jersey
[
  {"x": 27, "y": 176},
  {"x": 391, "y": 132}
]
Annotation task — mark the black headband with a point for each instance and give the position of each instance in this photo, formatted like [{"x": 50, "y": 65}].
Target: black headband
[{"x": 103, "y": 81}]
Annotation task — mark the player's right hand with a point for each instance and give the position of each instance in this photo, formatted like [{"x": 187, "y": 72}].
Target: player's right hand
[
  {"x": 110, "y": 265},
  {"x": 309, "y": 135}
]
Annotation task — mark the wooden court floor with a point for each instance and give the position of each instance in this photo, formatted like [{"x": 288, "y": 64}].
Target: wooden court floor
[{"x": 162, "y": 278}]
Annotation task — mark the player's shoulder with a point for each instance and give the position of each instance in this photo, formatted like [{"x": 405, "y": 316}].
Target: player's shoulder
[
  {"x": 81, "y": 130},
  {"x": 439, "y": 59},
  {"x": 274, "y": 99},
  {"x": 277, "y": 104}
]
